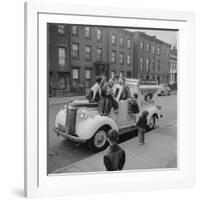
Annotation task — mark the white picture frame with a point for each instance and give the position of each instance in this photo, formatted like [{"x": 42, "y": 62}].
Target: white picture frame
[{"x": 37, "y": 183}]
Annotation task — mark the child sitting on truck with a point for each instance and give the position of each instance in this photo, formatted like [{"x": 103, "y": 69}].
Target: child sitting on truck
[
  {"x": 107, "y": 102},
  {"x": 125, "y": 92},
  {"x": 115, "y": 157},
  {"x": 134, "y": 105},
  {"x": 95, "y": 91}
]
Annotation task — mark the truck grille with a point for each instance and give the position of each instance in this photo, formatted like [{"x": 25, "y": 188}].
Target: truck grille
[{"x": 71, "y": 121}]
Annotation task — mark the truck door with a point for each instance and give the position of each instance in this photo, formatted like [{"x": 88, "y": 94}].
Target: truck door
[
  {"x": 122, "y": 114},
  {"x": 124, "y": 118}
]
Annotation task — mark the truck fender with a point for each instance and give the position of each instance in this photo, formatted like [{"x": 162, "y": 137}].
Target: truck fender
[
  {"x": 152, "y": 111},
  {"x": 87, "y": 128},
  {"x": 60, "y": 118}
]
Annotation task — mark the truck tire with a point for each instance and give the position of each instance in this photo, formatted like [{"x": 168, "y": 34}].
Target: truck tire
[
  {"x": 152, "y": 123},
  {"x": 99, "y": 141}
]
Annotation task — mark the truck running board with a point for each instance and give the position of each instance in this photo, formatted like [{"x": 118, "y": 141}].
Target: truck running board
[{"x": 126, "y": 130}]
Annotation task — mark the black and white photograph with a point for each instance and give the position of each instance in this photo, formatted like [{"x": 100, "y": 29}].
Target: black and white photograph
[{"x": 112, "y": 98}]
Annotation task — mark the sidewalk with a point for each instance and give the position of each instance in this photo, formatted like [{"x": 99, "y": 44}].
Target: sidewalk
[{"x": 159, "y": 151}]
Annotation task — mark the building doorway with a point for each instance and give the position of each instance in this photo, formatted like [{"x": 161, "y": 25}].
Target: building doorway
[
  {"x": 158, "y": 79},
  {"x": 102, "y": 68}
]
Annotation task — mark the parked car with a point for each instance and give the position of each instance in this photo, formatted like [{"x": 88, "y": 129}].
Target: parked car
[
  {"x": 164, "y": 90},
  {"x": 81, "y": 121}
]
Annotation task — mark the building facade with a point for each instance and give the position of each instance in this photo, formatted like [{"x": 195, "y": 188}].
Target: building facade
[
  {"x": 120, "y": 52},
  {"x": 77, "y": 54},
  {"x": 173, "y": 68},
  {"x": 151, "y": 58}
]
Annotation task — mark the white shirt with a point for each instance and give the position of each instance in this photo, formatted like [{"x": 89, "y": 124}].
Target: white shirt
[{"x": 96, "y": 89}]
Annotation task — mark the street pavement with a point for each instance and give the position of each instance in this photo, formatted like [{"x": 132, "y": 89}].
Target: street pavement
[
  {"x": 62, "y": 152},
  {"x": 158, "y": 152}
]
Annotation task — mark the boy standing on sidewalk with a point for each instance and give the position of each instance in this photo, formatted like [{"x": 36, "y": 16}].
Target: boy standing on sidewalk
[
  {"x": 142, "y": 125},
  {"x": 115, "y": 157}
]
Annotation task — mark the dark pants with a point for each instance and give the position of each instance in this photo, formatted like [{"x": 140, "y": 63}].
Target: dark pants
[{"x": 141, "y": 133}]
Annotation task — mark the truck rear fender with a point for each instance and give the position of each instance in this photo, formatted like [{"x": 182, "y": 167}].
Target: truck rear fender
[{"x": 153, "y": 112}]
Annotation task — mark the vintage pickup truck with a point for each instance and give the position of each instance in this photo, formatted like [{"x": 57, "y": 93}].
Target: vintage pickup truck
[{"x": 80, "y": 120}]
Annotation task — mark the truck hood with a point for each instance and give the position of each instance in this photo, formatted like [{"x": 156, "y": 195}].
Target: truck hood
[{"x": 83, "y": 103}]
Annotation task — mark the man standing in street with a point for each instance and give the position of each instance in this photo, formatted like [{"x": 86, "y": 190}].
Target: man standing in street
[{"x": 142, "y": 126}]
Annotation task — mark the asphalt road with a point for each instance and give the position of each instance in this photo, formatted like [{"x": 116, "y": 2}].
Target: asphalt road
[{"x": 62, "y": 152}]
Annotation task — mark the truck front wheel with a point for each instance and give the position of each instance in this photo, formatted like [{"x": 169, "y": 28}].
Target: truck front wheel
[{"x": 99, "y": 141}]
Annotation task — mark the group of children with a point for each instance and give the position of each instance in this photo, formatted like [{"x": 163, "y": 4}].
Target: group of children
[{"x": 102, "y": 92}]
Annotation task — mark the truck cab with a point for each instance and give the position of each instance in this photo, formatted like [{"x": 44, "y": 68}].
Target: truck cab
[{"x": 81, "y": 121}]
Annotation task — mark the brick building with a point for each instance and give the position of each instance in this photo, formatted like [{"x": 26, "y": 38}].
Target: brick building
[
  {"x": 120, "y": 52},
  {"x": 76, "y": 54},
  {"x": 58, "y": 58},
  {"x": 151, "y": 58},
  {"x": 173, "y": 68}
]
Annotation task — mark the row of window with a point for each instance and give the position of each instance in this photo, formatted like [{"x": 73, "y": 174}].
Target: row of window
[
  {"x": 173, "y": 65},
  {"x": 76, "y": 77},
  {"x": 121, "y": 41},
  {"x": 173, "y": 78},
  {"x": 155, "y": 50},
  {"x": 121, "y": 74},
  {"x": 75, "y": 74},
  {"x": 158, "y": 78},
  {"x": 88, "y": 79},
  {"x": 121, "y": 58},
  {"x": 64, "y": 81},
  {"x": 99, "y": 33},
  {"x": 88, "y": 54},
  {"x": 146, "y": 64}
]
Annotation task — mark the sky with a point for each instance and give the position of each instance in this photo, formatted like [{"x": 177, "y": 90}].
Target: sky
[{"x": 166, "y": 36}]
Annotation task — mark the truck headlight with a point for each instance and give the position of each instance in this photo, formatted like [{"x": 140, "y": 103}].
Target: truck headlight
[
  {"x": 65, "y": 107},
  {"x": 83, "y": 114}
]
